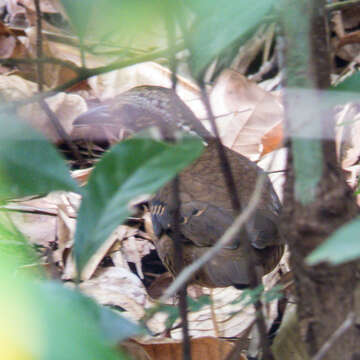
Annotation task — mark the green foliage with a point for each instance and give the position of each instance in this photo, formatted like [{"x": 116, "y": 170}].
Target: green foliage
[
  {"x": 15, "y": 247},
  {"x": 135, "y": 24},
  {"x": 347, "y": 91},
  {"x": 224, "y": 22},
  {"x": 350, "y": 84},
  {"x": 199, "y": 303},
  {"x": 172, "y": 311},
  {"x": 45, "y": 321},
  {"x": 29, "y": 164},
  {"x": 130, "y": 169},
  {"x": 342, "y": 246},
  {"x": 251, "y": 296}
]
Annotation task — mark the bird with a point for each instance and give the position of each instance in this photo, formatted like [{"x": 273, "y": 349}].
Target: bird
[{"x": 205, "y": 203}]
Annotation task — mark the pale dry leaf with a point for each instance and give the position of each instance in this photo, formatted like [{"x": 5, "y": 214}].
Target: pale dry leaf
[
  {"x": 245, "y": 112},
  {"x": 342, "y": 24},
  {"x": 65, "y": 235},
  {"x": 81, "y": 175},
  {"x": 275, "y": 164},
  {"x": 107, "y": 86},
  {"x": 38, "y": 229},
  {"x": 134, "y": 249},
  {"x": 208, "y": 348},
  {"x": 49, "y": 6},
  {"x": 14, "y": 87},
  {"x": 66, "y": 107},
  {"x": 134, "y": 350},
  {"x": 69, "y": 271},
  {"x": 53, "y": 74},
  {"x": 118, "y": 287},
  {"x": 7, "y": 46},
  {"x": 273, "y": 139},
  {"x": 14, "y": 9},
  {"x": 233, "y": 320},
  {"x": 40, "y": 226},
  {"x": 348, "y": 135},
  {"x": 118, "y": 234}
]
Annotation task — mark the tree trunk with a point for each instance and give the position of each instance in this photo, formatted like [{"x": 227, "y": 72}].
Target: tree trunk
[{"x": 319, "y": 202}]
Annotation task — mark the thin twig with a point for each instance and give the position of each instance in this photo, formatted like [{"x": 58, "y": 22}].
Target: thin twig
[
  {"x": 224, "y": 162},
  {"x": 340, "y": 5},
  {"x": 39, "y": 47},
  {"x": 178, "y": 261},
  {"x": 254, "y": 278},
  {"x": 236, "y": 204},
  {"x": 60, "y": 130},
  {"x": 85, "y": 73},
  {"x": 42, "y": 60},
  {"x": 347, "y": 323}
]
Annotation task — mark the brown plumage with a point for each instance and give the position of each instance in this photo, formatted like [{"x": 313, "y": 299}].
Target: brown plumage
[
  {"x": 206, "y": 210},
  {"x": 206, "y": 213}
]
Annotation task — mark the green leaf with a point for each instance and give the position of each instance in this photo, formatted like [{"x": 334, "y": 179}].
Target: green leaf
[
  {"x": 49, "y": 322},
  {"x": 275, "y": 293},
  {"x": 130, "y": 169},
  {"x": 29, "y": 164},
  {"x": 199, "y": 303},
  {"x": 342, "y": 246},
  {"x": 228, "y": 22},
  {"x": 14, "y": 246},
  {"x": 346, "y": 91},
  {"x": 131, "y": 24},
  {"x": 350, "y": 84},
  {"x": 113, "y": 327}
]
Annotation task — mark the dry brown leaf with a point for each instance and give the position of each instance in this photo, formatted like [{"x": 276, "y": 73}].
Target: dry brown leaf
[
  {"x": 233, "y": 320},
  {"x": 38, "y": 229},
  {"x": 275, "y": 164},
  {"x": 346, "y": 47},
  {"x": 65, "y": 235},
  {"x": 118, "y": 234},
  {"x": 118, "y": 287},
  {"x": 107, "y": 86},
  {"x": 208, "y": 348},
  {"x": 49, "y": 6},
  {"x": 134, "y": 249},
  {"x": 66, "y": 107},
  {"x": 40, "y": 226},
  {"x": 273, "y": 139},
  {"x": 7, "y": 42},
  {"x": 245, "y": 112},
  {"x": 134, "y": 350},
  {"x": 53, "y": 74},
  {"x": 81, "y": 175}
]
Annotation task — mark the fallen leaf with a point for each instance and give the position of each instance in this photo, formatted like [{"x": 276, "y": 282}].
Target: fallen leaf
[
  {"x": 244, "y": 112},
  {"x": 208, "y": 348}
]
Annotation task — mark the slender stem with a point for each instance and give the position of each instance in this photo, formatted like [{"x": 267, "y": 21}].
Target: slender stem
[
  {"x": 186, "y": 343},
  {"x": 39, "y": 50}
]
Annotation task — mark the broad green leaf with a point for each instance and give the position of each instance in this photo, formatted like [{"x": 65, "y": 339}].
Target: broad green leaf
[
  {"x": 42, "y": 321},
  {"x": 227, "y": 22},
  {"x": 132, "y": 168},
  {"x": 112, "y": 326},
  {"x": 29, "y": 164},
  {"x": 342, "y": 246},
  {"x": 14, "y": 246},
  {"x": 131, "y": 24}
]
